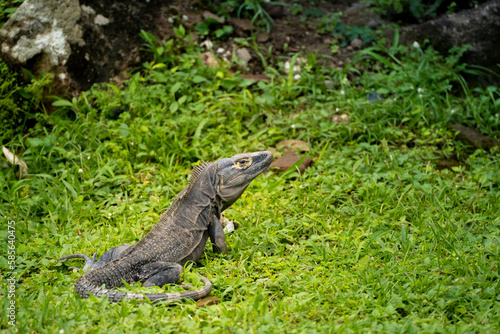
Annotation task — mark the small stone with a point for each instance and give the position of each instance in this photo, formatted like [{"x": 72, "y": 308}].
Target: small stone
[
  {"x": 208, "y": 15},
  {"x": 340, "y": 119},
  {"x": 101, "y": 20},
  {"x": 357, "y": 43},
  {"x": 262, "y": 37},
  {"x": 296, "y": 67},
  {"x": 243, "y": 55},
  {"x": 374, "y": 97},
  {"x": 243, "y": 24},
  {"x": 208, "y": 301},
  {"x": 88, "y": 10}
]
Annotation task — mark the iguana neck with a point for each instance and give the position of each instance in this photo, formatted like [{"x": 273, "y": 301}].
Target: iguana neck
[{"x": 197, "y": 200}]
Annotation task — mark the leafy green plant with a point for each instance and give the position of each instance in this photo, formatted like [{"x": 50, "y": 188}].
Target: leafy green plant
[
  {"x": 20, "y": 102},
  {"x": 347, "y": 34},
  {"x": 13, "y": 108},
  {"x": 260, "y": 16},
  {"x": 417, "y": 10},
  {"x": 7, "y": 8},
  {"x": 211, "y": 27},
  {"x": 328, "y": 23}
]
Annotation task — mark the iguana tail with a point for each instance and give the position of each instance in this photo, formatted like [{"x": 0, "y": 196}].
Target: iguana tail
[{"x": 84, "y": 287}]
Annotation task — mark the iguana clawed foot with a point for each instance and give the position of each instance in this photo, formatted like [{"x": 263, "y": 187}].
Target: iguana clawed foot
[{"x": 89, "y": 262}]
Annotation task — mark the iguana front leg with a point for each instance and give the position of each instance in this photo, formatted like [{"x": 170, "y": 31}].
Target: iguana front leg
[
  {"x": 91, "y": 264},
  {"x": 216, "y": 233}
]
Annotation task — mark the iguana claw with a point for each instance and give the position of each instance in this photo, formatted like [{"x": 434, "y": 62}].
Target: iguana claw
[{"x": 89, "y": 262}]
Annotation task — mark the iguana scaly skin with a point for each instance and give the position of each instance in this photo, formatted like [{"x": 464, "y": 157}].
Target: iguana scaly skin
[{"x": 178, "y": 237}]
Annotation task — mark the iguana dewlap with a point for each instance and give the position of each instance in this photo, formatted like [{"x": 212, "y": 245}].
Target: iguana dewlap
[{"x": 179, "y": 236}]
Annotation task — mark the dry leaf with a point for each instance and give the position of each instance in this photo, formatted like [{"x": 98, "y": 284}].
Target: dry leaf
[
  {"x": 14, "y": 160},
  {"x": 209, "y": 59}
]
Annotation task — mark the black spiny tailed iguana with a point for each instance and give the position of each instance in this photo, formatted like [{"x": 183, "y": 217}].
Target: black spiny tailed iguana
[{"x": 178, "y": 237}]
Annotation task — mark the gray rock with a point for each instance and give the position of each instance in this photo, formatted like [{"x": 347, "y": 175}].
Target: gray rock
[
  {"x": 358, "y": 14},
  {"x": 243, "y": 55},
  {"x": 479, "y": 27},
  {"x": 42, "y": 27},
  {"x": 80, "y": 42}
]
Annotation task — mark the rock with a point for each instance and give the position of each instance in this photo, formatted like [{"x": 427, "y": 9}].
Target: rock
[
  {"x": 276, "y": 11},
  {"x": 478, "y": 27},
  {"x": 208, "y": 15},
  {"x": 296, "y": 67},
  {"x": 358, "y": 15},
  {"x": 243, "y": 24},
  {"x": 42, "y": 27},
  {"x": 243, "y": 55},
  {"x": 101, "y": 20},
  {"x": 262, "y": 37},
  {"x": 357, "y": 43},
  {"x": 473, "y": 137},
  {"x": 293, "y": 145},
  {"x": 208, "y": 301},
  {"x": 340, "y": 119},
  {"x": 80, "y": 42},
  {"x": 374, "y": 97},
  {"x": 190, "y": 20},
  {"x": 287, "y": 160}
]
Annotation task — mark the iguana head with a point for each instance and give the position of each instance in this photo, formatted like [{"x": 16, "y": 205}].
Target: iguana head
[{"x": 236, "y": 173}]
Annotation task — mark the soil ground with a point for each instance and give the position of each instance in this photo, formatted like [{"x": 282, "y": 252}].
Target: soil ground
[{"x": 294, "y": 28}]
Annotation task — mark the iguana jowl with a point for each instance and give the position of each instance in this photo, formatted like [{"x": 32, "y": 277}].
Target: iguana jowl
[{"x": 178, "y": 237}]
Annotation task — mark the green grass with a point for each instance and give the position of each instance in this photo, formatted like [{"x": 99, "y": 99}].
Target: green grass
[{"x": 375, "y": 237}]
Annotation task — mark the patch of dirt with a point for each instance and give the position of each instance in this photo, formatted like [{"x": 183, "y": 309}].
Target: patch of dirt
[
  {"x": 208, "y": 301},
  {"x": 472, "y": 137},
  {"x": 290, "y": 32}
]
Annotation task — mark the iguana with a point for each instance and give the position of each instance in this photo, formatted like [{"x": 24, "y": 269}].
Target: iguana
[{"x": 178, "y": 237}]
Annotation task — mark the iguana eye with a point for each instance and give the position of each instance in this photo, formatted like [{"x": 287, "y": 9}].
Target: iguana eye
[{"x": 243, "y": 163}]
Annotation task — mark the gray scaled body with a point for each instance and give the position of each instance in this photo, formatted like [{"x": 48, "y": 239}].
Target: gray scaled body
[{"x": 179, "y": 236}]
